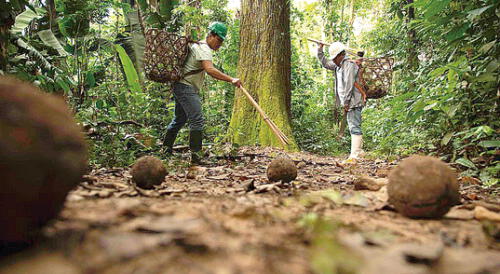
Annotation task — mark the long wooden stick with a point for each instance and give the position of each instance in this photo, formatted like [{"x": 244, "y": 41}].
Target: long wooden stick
[
  {"x": 350, "y": 51},
  {"x": 269, "y": 122},
  {"x": 318, "y": 42},
  {"x": 282, "y": 137}
]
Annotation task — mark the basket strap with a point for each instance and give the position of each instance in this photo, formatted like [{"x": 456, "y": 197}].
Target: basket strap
[
  {"x": 361, "y": 87},
  {"x": 197, "y": 70},
  {"x": 193, "y": 72}
]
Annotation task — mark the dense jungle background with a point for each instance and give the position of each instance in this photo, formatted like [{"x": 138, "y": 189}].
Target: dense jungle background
[
  {"x": 227, "y": 217},
  {"x": 444, "y": 98}
]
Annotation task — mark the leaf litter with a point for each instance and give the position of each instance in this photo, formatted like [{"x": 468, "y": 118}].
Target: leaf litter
[{"x": 228, "y": 218}]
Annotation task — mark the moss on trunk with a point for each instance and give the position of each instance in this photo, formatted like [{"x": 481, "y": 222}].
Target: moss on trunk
[{"x": 264, "y": 68}]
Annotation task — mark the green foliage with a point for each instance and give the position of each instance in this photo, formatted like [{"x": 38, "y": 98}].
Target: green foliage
[
  {"x": 313, "y": 114},
  {"x": 445, "y": 104},
  {"x": 49, "y": 39},
  {"x": 75, "y": 17},
  {"x": 24, "y": 19},
  {"x": 130, "y": 72},
  {"x": 450, "y": 99},
  {"x": 161, "y": 16},
  {"x": 13, "y": 6},
  {"x": 152, "y": 107}
]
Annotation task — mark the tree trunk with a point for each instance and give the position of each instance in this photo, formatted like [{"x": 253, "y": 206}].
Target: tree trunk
[
  {"x": 353, "y": 14},
  {"x": 6, "y": 22},
  {"x": 4, "y": 39},
  {"x": 412, "y": 36},
  {"x": 51, "y": 11},
  {"x": 264, "y": 68},
  {"x": 136, "y": 44}
]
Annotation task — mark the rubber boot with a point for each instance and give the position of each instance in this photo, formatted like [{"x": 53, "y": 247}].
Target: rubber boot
[
  {"x": 168, "y": 142},
  {"x": 356, "y": 149},
  {"x": 195, "y": 144},
  {"x": 361, "y": 152}
]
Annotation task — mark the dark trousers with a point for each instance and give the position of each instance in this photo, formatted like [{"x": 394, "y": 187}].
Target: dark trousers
[{"x": 187, "y": 108}]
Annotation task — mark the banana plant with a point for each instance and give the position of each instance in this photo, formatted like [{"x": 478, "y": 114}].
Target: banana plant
[
  {"x": 24, "y": 19},
  {"x": 8, "y": 12},
  {"x": 128, "y": 67},
  {"x": 156, "y": 14},
  {"x": 49, "y": 39}
]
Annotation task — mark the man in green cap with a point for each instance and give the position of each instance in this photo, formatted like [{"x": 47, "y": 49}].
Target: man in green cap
[{"x": 186, "y": 91}]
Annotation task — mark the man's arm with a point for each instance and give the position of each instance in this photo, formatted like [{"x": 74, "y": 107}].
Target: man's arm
[
  {"x": 326, "y": 63},
  {"x": 208, "y": 66}
]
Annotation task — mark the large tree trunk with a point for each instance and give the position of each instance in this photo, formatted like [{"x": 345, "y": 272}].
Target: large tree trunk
[{"x": 264, "y": 68}]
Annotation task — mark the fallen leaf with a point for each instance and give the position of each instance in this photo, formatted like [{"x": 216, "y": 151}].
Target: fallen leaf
[
  {"x": 220, "y": 177},
  {"x": 332, "y": 195},
  {"x": 460, "y": 214},
  {"x": 382, "y": 172},
  {"x": 127, "y": 245},
  {"x": 482, "y": 213},
  {"x": 469, "y": 180},
  {"x": 167, "y": 224},
  {"x": 195, "y": 171},
  {"x": 356, "y": 199},
  {"x": 455, "y": 260},
  {"x": 366, "y": 183},
  {"x": 53, "y": 263}
]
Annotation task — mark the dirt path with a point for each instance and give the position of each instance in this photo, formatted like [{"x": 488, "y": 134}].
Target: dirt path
[{"x": 228, "y": 219}]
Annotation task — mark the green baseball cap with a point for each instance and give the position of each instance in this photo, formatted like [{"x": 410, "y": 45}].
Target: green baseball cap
[{"x": 219, "y": 28}]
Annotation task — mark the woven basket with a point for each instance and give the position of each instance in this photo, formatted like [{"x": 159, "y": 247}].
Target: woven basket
[
  {"x": 165, "y": 55},
  {"x": 376, "y": 76}
]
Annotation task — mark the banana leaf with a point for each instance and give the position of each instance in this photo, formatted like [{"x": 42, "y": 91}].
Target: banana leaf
[
  {"x": 128, "y": 67},
  {"x": 35, "y": 54},
  {"x": 24, "y": 19},
  {"x": 49, "y": 39}
]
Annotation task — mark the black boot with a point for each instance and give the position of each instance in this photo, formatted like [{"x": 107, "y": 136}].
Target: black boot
[
  {"x": 195, "y": 144},
  {"x": 168, "y": 141}
]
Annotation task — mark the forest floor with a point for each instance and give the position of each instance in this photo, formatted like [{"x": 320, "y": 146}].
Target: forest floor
[{"x": 227, "y": 218}]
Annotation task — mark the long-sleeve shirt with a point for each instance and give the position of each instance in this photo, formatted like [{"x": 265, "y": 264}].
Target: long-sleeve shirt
[{"x": 345, "y": 76}]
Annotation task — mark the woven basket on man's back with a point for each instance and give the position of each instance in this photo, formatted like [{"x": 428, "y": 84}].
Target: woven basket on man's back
[
  {"x": 165, "y": 55},
  {"x": 376, "y": 76}
]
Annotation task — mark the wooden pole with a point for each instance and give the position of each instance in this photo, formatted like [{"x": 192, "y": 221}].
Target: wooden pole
[
  {"x": 318, "y": 42},
  {"x": 282, "y": 137},
  {"x": 350, "y": 51}
]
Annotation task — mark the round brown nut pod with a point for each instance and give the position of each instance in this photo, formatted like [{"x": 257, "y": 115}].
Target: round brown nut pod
[
  {"x": 281, "y": 169},
  {"x": 148, "y": 171},
  {"x": 423, "y": 187},
  {"x": 43, "y": 156}
]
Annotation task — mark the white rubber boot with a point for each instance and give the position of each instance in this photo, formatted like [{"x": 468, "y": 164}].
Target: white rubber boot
[
  {"x": 356, "y": 149},
  {"x": 357, "y": 142}
]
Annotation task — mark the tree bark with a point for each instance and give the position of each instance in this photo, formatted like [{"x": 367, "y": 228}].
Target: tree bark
[
  {"x": 264, "y": 68},
  {"x": 412, "y": 36},
  {"x": 51, "y": 11},
  {"x": 6, "y": 22},
  {"x": 4, "y": 38}
]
